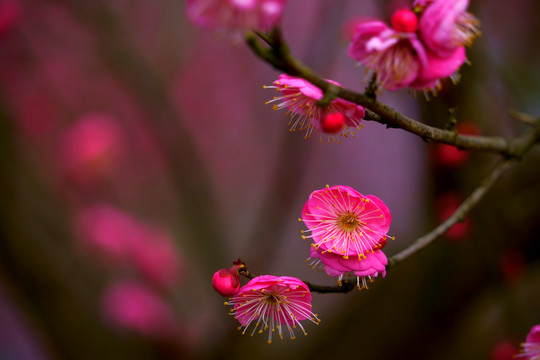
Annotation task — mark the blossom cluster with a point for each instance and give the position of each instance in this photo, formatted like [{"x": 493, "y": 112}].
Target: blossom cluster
[{"x": 423, "y": 46}]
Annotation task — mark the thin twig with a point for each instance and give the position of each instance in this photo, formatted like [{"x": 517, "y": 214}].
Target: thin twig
[{"x": 457, "y": 216}]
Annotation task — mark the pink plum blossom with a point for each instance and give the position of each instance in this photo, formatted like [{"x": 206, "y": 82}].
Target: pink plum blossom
[
  {"x": 397, "y": 57},
  {"x": 437, "y": 68},
  {"x": 133, "y": 306},
  {"x": 342, "y": 221},
  {"x": 335, "y": 265},
  {"x": 531, "y": 347},
  {"x": 300, "y": 98},
  {"x": 273, "y": 303},
  {"x": 236, "y": 15},
  {"x": 445, "y": 25}
]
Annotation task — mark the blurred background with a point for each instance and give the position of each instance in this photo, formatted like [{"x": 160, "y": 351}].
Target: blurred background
[{"x": 137, "y": 158}]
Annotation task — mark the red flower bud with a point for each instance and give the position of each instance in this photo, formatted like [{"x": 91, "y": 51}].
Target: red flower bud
[
  {"x": 332, "y": 123},
  {"x": 226, "y": 281},
  {"x": 405, "y": 20}
]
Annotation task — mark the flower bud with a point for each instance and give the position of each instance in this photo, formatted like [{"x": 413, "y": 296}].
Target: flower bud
[
  {"x": 332, "y": 123},
  {"x": 404, "y": 20},
  {"x": 226, "y": 281}
]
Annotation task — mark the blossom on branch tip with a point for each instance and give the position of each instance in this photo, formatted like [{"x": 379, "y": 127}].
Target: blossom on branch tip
[
  {"x": 365, "y": 269},
  {"x": 342, "y": 221},
  {"x": 530, "y": 349},
  {"x": 236, "y": 16},
  {"x": 274, "y": 304},
  {"x": 445, "y": 25},
  {"x": 301, "y": 98}
]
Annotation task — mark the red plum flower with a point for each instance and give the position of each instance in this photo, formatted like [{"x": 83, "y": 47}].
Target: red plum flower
[
  {"x": 342, "y": 221},
  {"x": 300, "y": 98},
  {"x": 450, "y": 156},
  {"x": 335, "y": 265},
  {"x": 445, "y": 25},
  {"x": 505, "y": 350},
  {"x": 236, "y": 15},
  {"x": 531, "y": 347},
  {"x": 133, "y": 306},
  {"x": 274, "y": 304}
]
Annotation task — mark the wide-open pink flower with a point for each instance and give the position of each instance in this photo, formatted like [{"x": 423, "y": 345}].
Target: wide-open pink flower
[
  {"x": 300, "y": 98},
  {"x": 365, "y": 269},
  {"x": 236, "y": 15},
  {"x": 396, "y": 56},
  {"x": 341, "y": 220},
  {"x": 445, "y": 25},
  {"x": 274, "y": 304},
  {"x": 133, "y": 306},
  {"x": 436, "y": 68},
  {"x": 531, "y": 346}
]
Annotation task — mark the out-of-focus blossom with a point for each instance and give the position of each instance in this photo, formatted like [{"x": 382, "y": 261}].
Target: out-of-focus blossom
[
  {"x": 108, "y": 231},
  {"x": 273, "y": 303},
  {"x": 91, "y": 148},
  {"x": 340, "y": 220},
  {"x": 121, "y": 240},
  {"x": 437, "y": 68},
  {"x": 445, "y": 206},
  {"x": 512, "y": 263},
  {"x": 335, "y": 265},
  {"x": 156, "y": 257},
  {"x": 397, "y": 57},
  {"x": 135, "y": 307},
  {"x": 530, "y": 349},
  {"x": 236, "y": 15},
  {"x": 10, "y": 12},
  {"x": 300, "y": 98},
  {"x": 445, "y": 25},
  {"x": 450, "y": 156},
  {"x": 505, "y": 350}
]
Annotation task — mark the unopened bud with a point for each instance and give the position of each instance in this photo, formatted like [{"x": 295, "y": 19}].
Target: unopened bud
[
  {"x": 405, "y": 20},
  {"x": 226, "y": 281},
  {"x": 332, "y": 123}
]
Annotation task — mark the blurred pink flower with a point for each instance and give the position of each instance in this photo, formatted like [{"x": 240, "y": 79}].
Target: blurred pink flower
[
  {"x": 505, "y": 350},
  {"x": 531, "y": 347},
  {"x": 91, "y": 148},
  {"x": 156, "y": 257},
  {"x": 445, "y": 205},
  {"x": 335, "y": 265},
  {"x": 133, "y": 306},
  {"x": 512, "y": 263},
  {"x": 445, "y": 25},
  {"x": 108, "y": 232},
  {"x": 345, "y": 222},
  {"x": 450, "y": 156},
  {"x": 118, "y": 238},
  {"x": 274, "y": 303},
  {"x": 300, "y": 98},
  {"x": 436, "y": 68},
  {"x": 397, "y": 57},
  {"x": 236, "y": 15},
  {"x": 10, "y": 12},
  {"x": 226, "y": 281}
]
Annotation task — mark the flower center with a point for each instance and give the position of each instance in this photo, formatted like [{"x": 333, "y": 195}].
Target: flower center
[{"x": 348, "y": 222}]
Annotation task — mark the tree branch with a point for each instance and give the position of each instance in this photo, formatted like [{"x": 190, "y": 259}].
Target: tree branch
[{"x": 279, "y": 56}]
